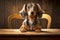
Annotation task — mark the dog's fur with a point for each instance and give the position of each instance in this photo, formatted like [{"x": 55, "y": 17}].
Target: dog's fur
[{"x": 31, "y": 12}]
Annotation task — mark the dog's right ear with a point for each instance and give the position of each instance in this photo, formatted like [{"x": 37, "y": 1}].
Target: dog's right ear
[{"x": 23, "y": 12}]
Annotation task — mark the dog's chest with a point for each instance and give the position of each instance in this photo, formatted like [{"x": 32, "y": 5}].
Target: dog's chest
[{"x": 32, "y": 22}]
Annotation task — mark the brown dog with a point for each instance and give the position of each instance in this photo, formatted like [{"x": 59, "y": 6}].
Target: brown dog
[{"x": 31, "y": 13}]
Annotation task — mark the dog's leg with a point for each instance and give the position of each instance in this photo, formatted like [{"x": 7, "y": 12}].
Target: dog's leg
[
  {"x": 23, "y": 28},
  {"x": 37, "y": 28}
]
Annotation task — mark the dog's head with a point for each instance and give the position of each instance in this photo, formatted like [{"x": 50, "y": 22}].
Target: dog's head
[{"x": 31, "y": 10}]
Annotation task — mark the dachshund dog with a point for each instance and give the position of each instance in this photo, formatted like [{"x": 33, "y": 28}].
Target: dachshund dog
[{"x": 31, "y": 12}]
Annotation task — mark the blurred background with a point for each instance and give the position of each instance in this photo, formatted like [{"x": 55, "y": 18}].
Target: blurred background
[{"x": 9, "y": 7}]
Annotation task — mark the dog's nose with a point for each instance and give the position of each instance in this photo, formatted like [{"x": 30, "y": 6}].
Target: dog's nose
[{"x": 32, "y": 13}]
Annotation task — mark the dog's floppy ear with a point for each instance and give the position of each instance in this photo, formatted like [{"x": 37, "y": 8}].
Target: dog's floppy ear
[
  {"x": 23, "y": 12},
  {"x": 40, "y": 11}
]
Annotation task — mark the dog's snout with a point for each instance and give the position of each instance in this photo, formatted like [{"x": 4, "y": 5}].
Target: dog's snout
[{"x": 32, "y": 13}]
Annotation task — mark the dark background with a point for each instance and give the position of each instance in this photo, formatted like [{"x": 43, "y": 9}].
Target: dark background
[{"x": 9, "y": 7}]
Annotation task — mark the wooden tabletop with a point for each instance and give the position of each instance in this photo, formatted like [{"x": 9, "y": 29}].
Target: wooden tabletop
[{"x": 17, "y": 32}]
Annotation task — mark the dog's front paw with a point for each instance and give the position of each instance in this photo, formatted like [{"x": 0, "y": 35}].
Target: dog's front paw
[
  {"x": 37, "y": 29},
  {"x": 23, "y": 29}
]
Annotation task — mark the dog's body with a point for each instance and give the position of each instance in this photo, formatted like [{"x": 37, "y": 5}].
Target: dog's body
[{"x": 31, "y": 12}]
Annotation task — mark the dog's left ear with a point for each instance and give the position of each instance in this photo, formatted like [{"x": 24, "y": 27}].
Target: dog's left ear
[{"x": 40, "y": 11}]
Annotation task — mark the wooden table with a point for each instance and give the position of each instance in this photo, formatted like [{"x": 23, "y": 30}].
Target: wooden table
[{"x": 15, "y": 34}]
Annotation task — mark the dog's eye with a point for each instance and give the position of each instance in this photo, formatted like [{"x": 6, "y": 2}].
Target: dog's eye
[{"x": 28, "y": 7}]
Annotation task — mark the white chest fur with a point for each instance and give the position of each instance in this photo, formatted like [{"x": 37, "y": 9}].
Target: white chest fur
[{"x": 31, "y": 22}]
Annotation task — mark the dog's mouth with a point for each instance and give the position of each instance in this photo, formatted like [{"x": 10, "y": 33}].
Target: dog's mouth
[{"x": 32, "y": 16}]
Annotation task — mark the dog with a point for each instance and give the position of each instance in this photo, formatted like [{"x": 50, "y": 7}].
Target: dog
[{"x": 31, "y": 13}]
